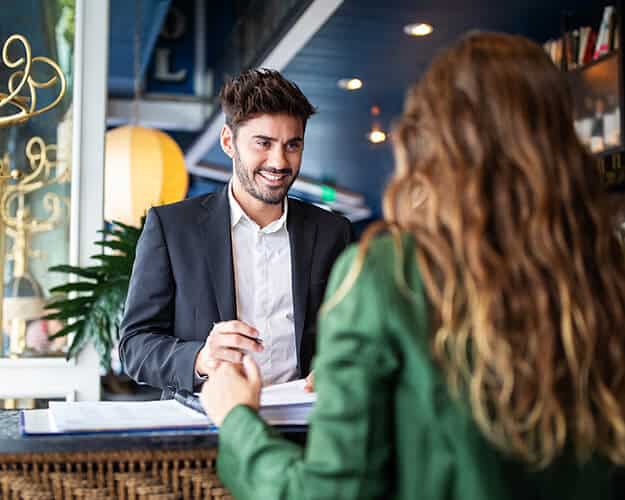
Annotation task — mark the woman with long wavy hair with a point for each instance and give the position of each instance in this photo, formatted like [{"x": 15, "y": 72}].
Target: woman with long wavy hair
[{"x": 475, "y": 350}]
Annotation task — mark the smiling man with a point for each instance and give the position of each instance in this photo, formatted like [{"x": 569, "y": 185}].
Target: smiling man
[{"x": 240, "y": 270}]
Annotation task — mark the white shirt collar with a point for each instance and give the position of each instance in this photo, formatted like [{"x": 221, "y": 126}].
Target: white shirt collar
[{"x": 237, "y": 214}]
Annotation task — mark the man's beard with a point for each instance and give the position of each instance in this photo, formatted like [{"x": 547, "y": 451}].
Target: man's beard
[{"x": 264, "y": 194}]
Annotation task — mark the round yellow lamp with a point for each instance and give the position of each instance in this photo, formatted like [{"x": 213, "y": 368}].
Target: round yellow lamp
[{"x": 143, "y": 168}]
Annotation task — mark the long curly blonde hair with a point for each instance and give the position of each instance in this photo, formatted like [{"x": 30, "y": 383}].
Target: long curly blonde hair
[{"x": 524, "y": 274}]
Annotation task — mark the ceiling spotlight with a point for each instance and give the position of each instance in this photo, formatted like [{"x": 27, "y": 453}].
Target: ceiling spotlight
[
  {"x": 418, "y": 29},
  {"x": 350, "y": 83},
  {"x": 376, "y": 136}
]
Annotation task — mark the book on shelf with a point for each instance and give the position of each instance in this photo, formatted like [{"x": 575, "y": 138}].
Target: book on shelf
[
  {"x": 590, "y": 45},
  {"x": 584, "y": 43},
  {"x": 606, "y": 31}
]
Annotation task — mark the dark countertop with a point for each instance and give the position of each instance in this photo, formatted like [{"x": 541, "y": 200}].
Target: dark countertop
[{"x": 12, "y": 442}]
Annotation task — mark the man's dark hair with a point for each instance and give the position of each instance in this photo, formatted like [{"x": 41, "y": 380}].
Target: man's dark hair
[{"x": 262, "y": 91}]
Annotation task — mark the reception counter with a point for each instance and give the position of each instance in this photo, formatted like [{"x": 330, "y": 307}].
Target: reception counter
[{"x": 148, "y": 465}]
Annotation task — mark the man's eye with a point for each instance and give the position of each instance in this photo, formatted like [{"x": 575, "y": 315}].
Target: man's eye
[
  {"x": 263, "y": 144},
  {"x": 295, "y": 146}
]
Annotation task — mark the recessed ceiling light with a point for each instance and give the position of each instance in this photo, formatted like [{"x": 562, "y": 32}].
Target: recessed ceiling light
[
  {"x": 350, "y": 83},
  {"x": 418, "y": 29},
  {"x": 376, "y": 136}
]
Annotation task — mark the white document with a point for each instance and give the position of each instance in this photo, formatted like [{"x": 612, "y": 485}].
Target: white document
[
  {"x": 286, "y": 415},
  {"x": 97, "y": 416},
  {"x": 286, "y": 404},
  {"x": 291, "y": 393},
  {"x": 36, "y": 422}
]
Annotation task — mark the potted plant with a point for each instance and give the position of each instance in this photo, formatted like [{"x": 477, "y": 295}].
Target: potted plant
[{"x": 92, "y": 305}]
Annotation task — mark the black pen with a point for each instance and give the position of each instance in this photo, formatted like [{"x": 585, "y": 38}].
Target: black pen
[
  {"x": 258, "y": 340},
  {"x": 189, "y": 400}
]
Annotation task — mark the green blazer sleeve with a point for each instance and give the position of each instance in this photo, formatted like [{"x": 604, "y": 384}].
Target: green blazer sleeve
[{"x": 348, "y": 447}]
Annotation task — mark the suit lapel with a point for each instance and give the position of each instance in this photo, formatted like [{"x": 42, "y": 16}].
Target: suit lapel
[
  {"x": 302, "y": 233},
  {"x": 215, "y": 226}
]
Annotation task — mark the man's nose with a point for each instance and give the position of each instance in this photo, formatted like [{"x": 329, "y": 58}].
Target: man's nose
[{"x": 278, "y": 157}]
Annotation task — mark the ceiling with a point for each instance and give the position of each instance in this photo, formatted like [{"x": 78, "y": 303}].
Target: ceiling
[
  {"x": 365, "y": 39},
  {"x": 123, "y": 16}
]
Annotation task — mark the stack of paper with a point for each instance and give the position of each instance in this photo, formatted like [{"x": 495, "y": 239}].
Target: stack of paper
[
  {"x": 282, "y": 404},
  {"x": 286, "y": 404}
]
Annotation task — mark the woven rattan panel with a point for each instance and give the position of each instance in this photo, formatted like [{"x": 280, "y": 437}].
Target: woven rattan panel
[{"x": 187, "y": 474}]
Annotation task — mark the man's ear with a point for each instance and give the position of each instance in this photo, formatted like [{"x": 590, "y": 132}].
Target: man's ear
[{"x": 226, "y": 139}]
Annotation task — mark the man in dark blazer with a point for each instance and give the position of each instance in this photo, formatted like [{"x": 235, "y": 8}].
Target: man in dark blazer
[{"x": 211, "y": 276}]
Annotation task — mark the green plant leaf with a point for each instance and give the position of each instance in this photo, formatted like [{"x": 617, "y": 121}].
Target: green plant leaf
[
  {"x": 114, "y": 261},
  {"x": 128, "y": 227},
  {"x": 119, "y": 234},
  {"x": 115, "y": 245},
  {"x": 122, "y": 230},
  {"x": 68, "y": 308},
  {"x": 69, "y": 303},
  {"x": 67, "y": 330},
  {"x": 77, "y": 344},
  {"x": 84, "y": 272},
  {"x": 78, "y": 286},
  {"x": 66, "y": 315}
]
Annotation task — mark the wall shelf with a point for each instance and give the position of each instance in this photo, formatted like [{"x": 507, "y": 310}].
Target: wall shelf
[{"x": 599, "y": 60}]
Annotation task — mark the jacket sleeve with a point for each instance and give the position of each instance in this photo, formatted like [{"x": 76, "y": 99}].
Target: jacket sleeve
[
  {"x": 350, "y": 436},
  {"x": 148, "y": 349}
]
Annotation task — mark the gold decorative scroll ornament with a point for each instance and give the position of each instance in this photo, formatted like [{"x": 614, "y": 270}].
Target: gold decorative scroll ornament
[
  {"x": 21, "y": 226},
  {"x": 15, "y": 212},
  {"x": 25, "y": 106},
  {"x": 5, "y": 172}
]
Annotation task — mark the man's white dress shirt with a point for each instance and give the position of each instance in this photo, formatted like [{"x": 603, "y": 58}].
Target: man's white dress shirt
[{"x": 264, "y": 291}]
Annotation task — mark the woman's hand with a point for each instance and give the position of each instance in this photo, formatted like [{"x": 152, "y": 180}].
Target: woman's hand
[
  {"x": 229, "y": 386},
  {"x": 310, "y": 382}
]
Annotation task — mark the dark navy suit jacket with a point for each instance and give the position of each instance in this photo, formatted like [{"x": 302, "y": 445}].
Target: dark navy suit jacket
[{"x": 183, "y": 281}]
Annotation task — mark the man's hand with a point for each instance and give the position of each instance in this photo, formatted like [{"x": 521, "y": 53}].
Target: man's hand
[
  {"x": 230, "y": 386},
  {"x": 310, "y": 382},
  {"x": 227, "y": 341}
]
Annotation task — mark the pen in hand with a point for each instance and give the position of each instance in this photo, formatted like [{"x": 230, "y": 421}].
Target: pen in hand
[
  {"x": 227, "y": 341},
  {"x": 258, "y": 340}
]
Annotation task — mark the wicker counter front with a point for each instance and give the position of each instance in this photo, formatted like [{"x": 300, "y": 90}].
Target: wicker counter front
[{"x": 129, "y": 466}]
